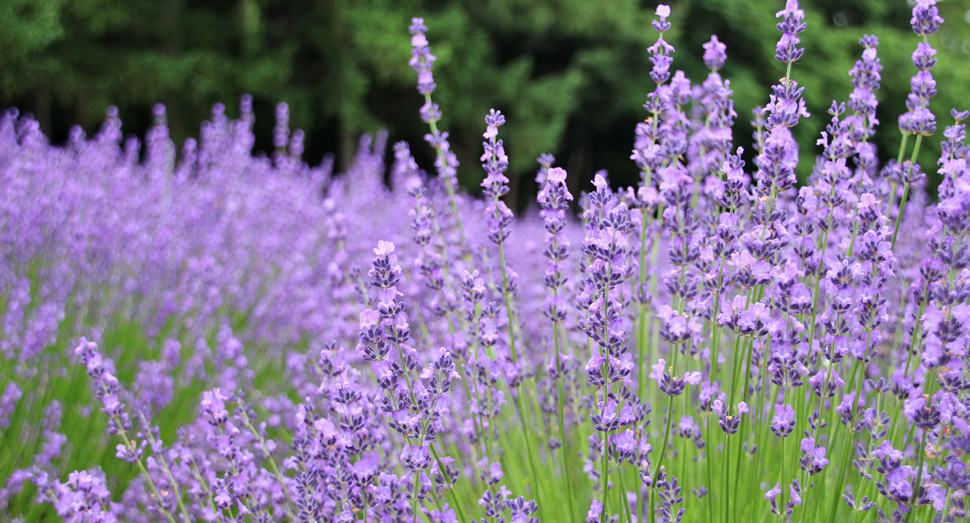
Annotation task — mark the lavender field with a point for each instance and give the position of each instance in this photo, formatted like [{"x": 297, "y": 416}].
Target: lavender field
[{"x": 202, "y": 334}]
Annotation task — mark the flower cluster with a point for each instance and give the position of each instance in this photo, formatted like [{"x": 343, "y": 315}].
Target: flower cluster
[{"x": 271, "y": 342}]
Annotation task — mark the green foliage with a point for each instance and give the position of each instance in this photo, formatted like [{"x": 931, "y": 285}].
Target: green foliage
[{"x": 570, "y": 74}]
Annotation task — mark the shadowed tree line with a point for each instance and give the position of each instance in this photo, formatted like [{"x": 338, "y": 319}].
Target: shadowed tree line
[{"x": 571, "y": 75}]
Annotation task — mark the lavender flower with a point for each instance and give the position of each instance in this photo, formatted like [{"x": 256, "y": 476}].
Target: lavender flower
[
  {"x": 786, "y": 50},
  {"x": 423, "y": 61},
  {"x": 300, "y": 374}
]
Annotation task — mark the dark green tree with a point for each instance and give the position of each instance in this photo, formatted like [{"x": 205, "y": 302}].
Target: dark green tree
[{"x": 571, "y": 75}]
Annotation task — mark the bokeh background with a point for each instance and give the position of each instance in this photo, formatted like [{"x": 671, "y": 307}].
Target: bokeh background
[{"x": 571, "y": 75}]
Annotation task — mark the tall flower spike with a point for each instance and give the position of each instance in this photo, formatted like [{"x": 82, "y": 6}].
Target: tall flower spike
[
  {"x": 779, "y": 152},
  {"x": 786, "y": 50},
  {"x": 498, "y": 215},
  {"x": 919, "y": 119},
  {"x": 708, "y": 146},
  {"x": 661, "y": 50},
  {"x": 495, "y": 185},
  {"x": 423, "y": 61},
  {"x": 862, "y": 102},
  {"x": 554, "y": 200}
]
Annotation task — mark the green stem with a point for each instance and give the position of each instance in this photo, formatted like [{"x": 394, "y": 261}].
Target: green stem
[
  {"x": 715, "y": 337},
  {"x": 269, "y": 457},
  {"x": 452, "y": 198},
  {"x": 566, "y": 471},
  {"x": 741, "y": 453},
  {"x": 902, "y": 203},
  {"x": 662, "y": 452},
  {"x": 451, "y": 491},
  {"x": 606, "y": 468},
  {"x": 141, "y": 467},
  {"x": 710, "y": 466},
  {"x": 168, "y": 472},
  {"x": 727, "y": 485},
  {"x": 641, "y": 318},
  {"x": 919, "y": 476},
  {"x": 899, "y": 161},
  {"x": 204, "y": 486},
  {"x": 144, "y": 473},
  {"x": 626, "y": 505}
]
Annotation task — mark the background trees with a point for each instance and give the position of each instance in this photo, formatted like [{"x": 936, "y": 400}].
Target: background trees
[{"x": 571, "y": 75}]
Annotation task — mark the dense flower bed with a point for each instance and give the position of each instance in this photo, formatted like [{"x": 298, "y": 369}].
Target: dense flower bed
[{"x": 213, "y": 336}]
